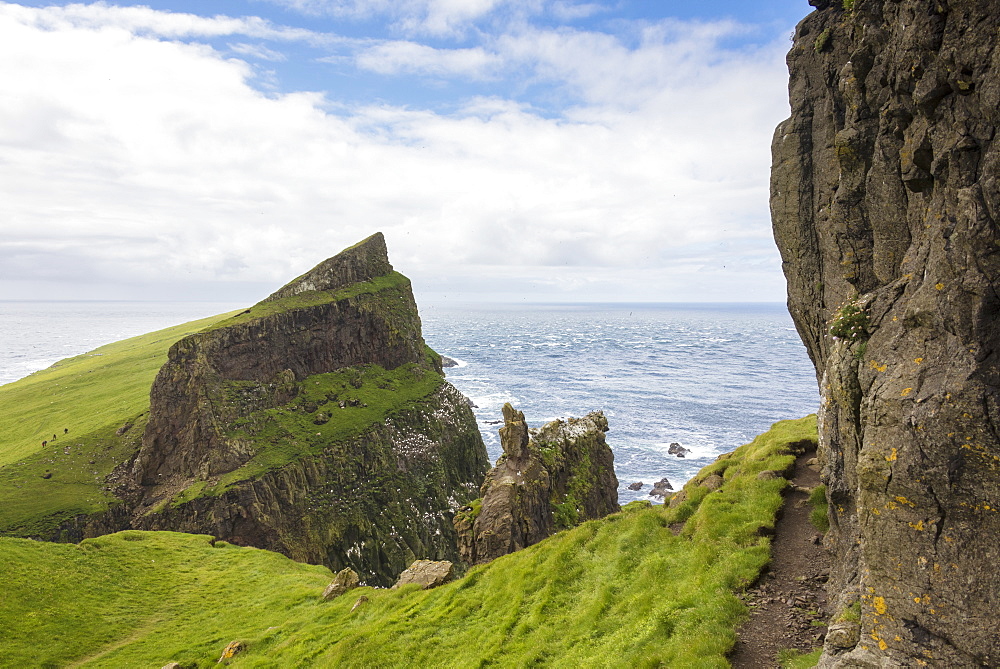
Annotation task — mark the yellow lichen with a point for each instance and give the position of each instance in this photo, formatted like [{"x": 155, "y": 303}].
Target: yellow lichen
[
  {"x": 939, "y": 286},
  {"x": 879, "y": 604},
  {"x": 918, "y": 360},
  {"x": 892, "y": 456},
  {"x": 905, "y": 392}
]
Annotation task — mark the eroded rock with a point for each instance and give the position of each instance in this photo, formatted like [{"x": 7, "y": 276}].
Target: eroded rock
[
  {"x": 661, "y": 488},
  {"x": 555, "y": 477},
  {"x": 367, "y": 500},
  {"x": 677, "y": 449}
]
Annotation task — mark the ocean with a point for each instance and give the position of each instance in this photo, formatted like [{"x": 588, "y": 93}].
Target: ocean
[{"x": 707, "y": 376}]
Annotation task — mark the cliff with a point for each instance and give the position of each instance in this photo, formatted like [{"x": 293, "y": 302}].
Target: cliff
[
  {"x": 884, "y": 202},
  {"x": 316, "y": 423},
  {"x": 547, "y": 479}
]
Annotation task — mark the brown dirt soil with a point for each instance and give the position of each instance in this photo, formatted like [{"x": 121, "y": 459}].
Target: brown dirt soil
[{"x": 787, "y": 603}]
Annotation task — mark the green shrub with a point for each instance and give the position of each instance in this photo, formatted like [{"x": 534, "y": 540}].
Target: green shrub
[
  {"x": 821, "y": 40},
  {"x": 849, "y": 322}
]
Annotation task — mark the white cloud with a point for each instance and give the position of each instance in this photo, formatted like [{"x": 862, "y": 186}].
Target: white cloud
[
  {"x": 440, "y": 18},
  {"x": 413, "y": 58},
  {"x": 128, "y": 159},
  {"x": 571, "y": 11},
  {"x": 144, "y": 20},
  {"x": 258, "y": 51}
]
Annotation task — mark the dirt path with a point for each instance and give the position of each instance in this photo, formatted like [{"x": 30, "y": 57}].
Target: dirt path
[{"x": 788, "y": 602}]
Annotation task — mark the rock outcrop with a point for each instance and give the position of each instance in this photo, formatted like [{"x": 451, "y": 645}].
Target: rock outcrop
[
  {"x": 885, "y": 202},
  {"x": 547, "y": 479},
  {"x": 317, "y": 424}
]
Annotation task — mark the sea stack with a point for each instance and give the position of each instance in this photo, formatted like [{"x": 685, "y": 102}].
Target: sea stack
[
  {"x": 885, "y": 202},
  {"x": 547, "y": 479}
]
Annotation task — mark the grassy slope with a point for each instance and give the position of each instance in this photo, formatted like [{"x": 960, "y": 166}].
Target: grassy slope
[
  {"x": 286, "y": 434},
  {"x": 106, "y": 386},
  {"x": 621, "y": 591}
]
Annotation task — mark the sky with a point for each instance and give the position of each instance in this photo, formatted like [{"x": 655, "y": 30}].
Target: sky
[{"x": 509, "y": 150}]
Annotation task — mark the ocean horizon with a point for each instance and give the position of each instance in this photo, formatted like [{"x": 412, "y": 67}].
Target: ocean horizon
[{"x": 708, "y": 376}]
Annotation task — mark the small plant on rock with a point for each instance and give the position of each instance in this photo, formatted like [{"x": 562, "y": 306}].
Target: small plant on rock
[
  {"x": 821, "y": 40},
  {"x": 849, "y": 322}
]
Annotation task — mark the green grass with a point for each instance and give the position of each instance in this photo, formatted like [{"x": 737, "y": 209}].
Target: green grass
[
  {"x": 107, "y": 386},
  {"x": 795, "y": 659},
  {"x": 143, "y": 599},
  {"x": 819, "y": 515},
  {"x": 314, "y": 419},
  {"x": 622, "y": 591}
]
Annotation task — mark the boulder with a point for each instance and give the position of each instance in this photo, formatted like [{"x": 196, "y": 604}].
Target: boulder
[
  {"x": 346, "y": 579},
  {"x": 232, "y": 650},
  {"x": 635, "y": 486},
  {"x": 677, "y": 449},
  {"x": 426, "y": 573},
  {"x": 661, "y": 488},
  {"x": 712, "y": 482}
]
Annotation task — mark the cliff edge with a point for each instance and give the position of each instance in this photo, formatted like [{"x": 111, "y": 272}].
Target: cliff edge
[
  {"x": 884, "y": 200},
  {"x": 317, "y": 423}
]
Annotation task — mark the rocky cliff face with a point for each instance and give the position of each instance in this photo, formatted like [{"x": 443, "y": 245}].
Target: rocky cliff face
[
  {"x": 317, "y": 424},
  {"x": 885, "y": 202},
  {"x": 547, "y": 479},
  {"x": 304, "y": 328}
]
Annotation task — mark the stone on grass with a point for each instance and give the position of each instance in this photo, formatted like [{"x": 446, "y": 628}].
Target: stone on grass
[
  {"x": 426, "y": 573},
  {"x": 233, "y": 649},
  {"x": 346, "y": 579}
]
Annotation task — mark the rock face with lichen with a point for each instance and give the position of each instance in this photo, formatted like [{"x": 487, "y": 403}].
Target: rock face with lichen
[
  {"x": 316, "y": 423},
  {"x": 547, "y": 479},
  {"x": 885, "y": 202}
]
